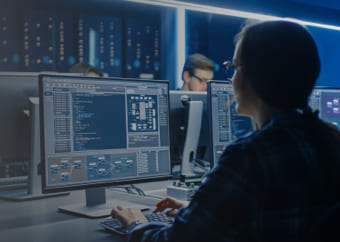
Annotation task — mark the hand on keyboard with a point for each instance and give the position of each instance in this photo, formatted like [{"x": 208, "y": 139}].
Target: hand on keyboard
[
  {"x": 114, "y": 225},
  {"x": 122, "y": 218},
  {"x": 171, "y": 203},
  {"x": 128, "y": 215}
]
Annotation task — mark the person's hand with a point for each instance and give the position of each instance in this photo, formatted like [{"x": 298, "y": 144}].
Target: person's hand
[
  {"x": 171, "y": 203},
  {"x": 128, "y": 215}
]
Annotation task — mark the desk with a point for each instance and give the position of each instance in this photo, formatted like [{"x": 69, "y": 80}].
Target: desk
[{"x": 39, "y": 220}]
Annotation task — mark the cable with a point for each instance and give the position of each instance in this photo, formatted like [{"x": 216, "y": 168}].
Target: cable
[{"x": 139, "y": 190}]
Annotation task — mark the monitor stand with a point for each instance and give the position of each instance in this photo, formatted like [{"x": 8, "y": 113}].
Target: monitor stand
[
  {"x": 96, "y": 205},
  {"x": 193, "y": 129},
  {"x": 34, "y": 178}
]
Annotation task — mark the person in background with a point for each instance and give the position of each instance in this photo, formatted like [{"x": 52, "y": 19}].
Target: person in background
[
  {"x": 280, "y": 183},
  {"x": 86, "y": 69},
  {"x": 197, "y": 70}
]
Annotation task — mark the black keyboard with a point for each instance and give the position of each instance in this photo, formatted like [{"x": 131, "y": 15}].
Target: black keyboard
[{"x": 114, "y": 225}]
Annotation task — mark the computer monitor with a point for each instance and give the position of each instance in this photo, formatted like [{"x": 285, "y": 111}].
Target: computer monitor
[
  {"x": 20, "y": 137},
  {"x": 15, "y": 90},
  {"x": 327, "y": 101},
  {"x": 100, "y": 132},
  {"x": 179, "y": 121},
  {"x": 224, "y": 122}
]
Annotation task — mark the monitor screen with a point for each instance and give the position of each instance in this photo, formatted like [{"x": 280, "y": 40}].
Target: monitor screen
[
  {"x": 103, "y": 131},
  {"x": 327, "y": 101},
  {"x": 224, "y": 122},
  {"x": 178, "y": 123}
]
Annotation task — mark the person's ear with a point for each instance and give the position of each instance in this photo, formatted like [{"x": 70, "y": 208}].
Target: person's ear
[{"x": 186, "y": 77}]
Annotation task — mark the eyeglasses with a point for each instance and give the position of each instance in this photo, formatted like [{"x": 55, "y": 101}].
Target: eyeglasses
[
  {"x": 198, "y": 78},
  {"x": 229, "y": 67}
]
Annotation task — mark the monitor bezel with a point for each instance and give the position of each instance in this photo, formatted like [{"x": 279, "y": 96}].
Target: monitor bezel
[{"x": 106, "y": 183}]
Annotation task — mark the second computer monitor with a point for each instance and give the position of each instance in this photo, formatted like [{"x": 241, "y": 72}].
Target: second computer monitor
[
  {"x": 224, "y": 122},
  {"x": 327, "y": 101},
  {"x": 15, "y": 90},
  {"x": 178, "y": 124}
]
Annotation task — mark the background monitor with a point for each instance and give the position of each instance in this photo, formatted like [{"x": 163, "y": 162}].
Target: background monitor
[
  {"x": 20, "y": 138},
  {"x": 178, "y": 123},
  {"x": 15, "y": 90},
  {"x": 327, "y": 101},
  {"x": 99, "y": 132},
  {"x": 224, "y": 122}
]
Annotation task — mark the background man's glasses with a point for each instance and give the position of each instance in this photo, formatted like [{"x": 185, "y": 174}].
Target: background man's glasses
[{"x": 198, "y": 78}]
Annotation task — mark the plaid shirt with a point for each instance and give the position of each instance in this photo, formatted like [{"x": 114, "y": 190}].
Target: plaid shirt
[{"x": 272, "y": 185}]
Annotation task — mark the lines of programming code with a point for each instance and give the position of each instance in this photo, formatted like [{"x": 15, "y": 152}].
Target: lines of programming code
[
  {"x": 164, "y": 120},
  {"x": 223, "y": 118},
  {"x": 98, "y": 121},
  {"x": 147, "y": 163},
  {"x": 62, "y": 123},
  {"x": 61, "y": 102},
  {"x": 163, "y": 111},
  {"x": 62, "y": 128}
]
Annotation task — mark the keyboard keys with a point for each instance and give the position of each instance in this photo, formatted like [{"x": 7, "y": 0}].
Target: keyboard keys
[{"x": 115, "y": 225}]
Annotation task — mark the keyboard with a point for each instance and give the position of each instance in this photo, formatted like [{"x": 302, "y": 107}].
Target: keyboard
[{"x": 114, "y": 225}]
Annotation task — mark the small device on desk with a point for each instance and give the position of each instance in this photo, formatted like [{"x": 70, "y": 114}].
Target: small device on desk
[
  {"x": 100, "y": 132},
  {"x": 182, "y": 191}
]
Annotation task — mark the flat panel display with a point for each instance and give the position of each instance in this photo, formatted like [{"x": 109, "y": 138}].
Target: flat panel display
[
  {"x": 327, "y": 101},
  {"x": 100, "y": 132}
]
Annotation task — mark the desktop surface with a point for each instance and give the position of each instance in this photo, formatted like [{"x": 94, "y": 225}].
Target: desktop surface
[{"x": 39, "y": 221}]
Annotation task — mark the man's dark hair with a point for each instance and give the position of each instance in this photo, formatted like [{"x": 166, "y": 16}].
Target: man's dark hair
[
  {"x": 85, "y": 68},
  {"x": 197, "y": 61},
  {"x": 281, "y": 62}
]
